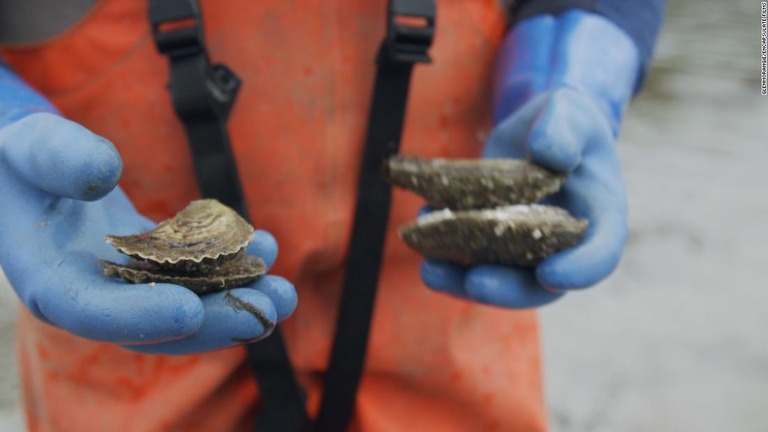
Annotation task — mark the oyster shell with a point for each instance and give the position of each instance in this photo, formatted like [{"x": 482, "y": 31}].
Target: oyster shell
[
  {"x": 231, "y": 274},
  {"x": 201, "y": 248},
  {"x": 204, "y": 234},
  {"x": 474, "y": 183},
  {"x": 515, "y": 235}
]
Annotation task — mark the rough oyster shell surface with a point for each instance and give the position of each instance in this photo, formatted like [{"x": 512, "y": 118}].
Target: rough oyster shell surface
[
  {"x": 204, "y": 234},
  {"x": 201, "y": 248},
  {"x": 474, "y": 183},
  {"x": 234, "y": 273},
  {"x": 515, "y": 235}
]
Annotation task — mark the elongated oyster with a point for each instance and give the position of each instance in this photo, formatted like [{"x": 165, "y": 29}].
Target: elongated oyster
[
  {"x": 515, "y": 235},
  {"x": 474, "y": 183},
  {"x": 201, "y": 248}
]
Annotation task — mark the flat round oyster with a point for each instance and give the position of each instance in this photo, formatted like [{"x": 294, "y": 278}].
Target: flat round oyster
[
  {"x": 204, "y": 234},
  {"x": 201, "y": 248},
  {"x": 520, "y": 235},
  {"x": 474, "y": 183}
]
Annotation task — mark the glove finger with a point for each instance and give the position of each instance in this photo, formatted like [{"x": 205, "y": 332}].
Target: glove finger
[
  {"x": 597, "y": 255},
  {"x": 60, "y": 157},
  {"x": 509, "y": 287},
  {"x": 562, "y": 130},
  {"x": 281, "y": 292},
  {"x": 232, "y": 317},
  {"x": 443, "y": 276},
  {"x": 508, "y": 138},
  {"x": 594, "y": 191},
  {"x": 264, "y": 246},
  {"x": 95, "y": 307}
]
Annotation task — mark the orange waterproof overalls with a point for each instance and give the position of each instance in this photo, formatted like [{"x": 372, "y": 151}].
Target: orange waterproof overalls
[{"x": 297, "y": 129}]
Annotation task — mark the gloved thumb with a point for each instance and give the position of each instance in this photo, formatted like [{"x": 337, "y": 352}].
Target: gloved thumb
[
  {"x": 60, "y": 157},
  {"x": 563, "y": 129}
]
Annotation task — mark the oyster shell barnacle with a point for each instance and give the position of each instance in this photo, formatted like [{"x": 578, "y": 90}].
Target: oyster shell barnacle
[
  {"x": 201, "y": 248},
  {"x": 489, "y": 213}
]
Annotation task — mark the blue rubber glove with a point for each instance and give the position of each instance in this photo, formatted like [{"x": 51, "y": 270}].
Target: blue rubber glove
[
  {"x": 58, "y": 188},
  {"x": 562, "y": 86}
]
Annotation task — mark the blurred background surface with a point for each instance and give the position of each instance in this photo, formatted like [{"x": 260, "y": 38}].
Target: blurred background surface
[{"x": 674, "y": 340}]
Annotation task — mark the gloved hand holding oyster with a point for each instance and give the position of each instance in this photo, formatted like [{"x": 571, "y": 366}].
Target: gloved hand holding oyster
[
  {"x": 58, "y": 182},
  {"x": 561, "y": 86}
]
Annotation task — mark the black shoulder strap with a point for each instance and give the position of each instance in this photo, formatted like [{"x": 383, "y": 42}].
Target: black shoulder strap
[
  {"x": 409, "y": 36},
  {"x": 203, "y": 95}
]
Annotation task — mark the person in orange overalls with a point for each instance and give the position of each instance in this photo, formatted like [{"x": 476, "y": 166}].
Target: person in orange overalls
[{"x": 96, "y": 148}]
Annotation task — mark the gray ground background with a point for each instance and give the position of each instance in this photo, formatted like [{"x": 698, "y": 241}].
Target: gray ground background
[{"x": 674, "y": 340}]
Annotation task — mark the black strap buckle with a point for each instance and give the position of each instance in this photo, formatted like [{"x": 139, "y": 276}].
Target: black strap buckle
[
  {"x": 223, "y": 85},
  {"x": 178, "y": 32},
  {"x": 411, "y": 27},
  {"x": 186, "y": 35}
]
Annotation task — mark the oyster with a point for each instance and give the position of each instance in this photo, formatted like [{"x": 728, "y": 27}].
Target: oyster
[
  {"x": 201, "y": 248},
  {"x": 474, "y": 183},
  {"x": 514, "y": 235},
  {"x": 229, "y": 275}
]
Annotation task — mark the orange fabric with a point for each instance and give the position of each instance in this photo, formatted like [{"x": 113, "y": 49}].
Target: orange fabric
[{"x": 434, "y": 364}]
